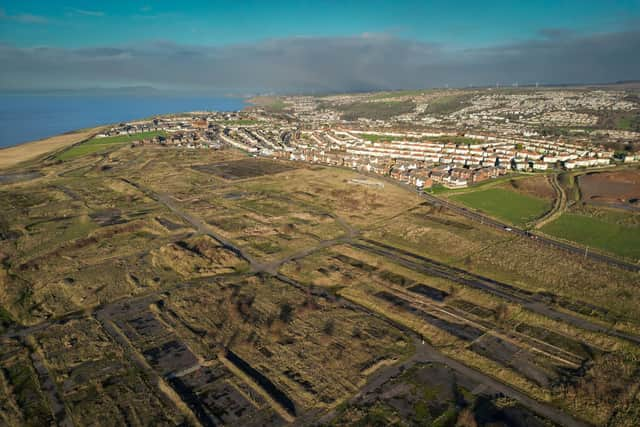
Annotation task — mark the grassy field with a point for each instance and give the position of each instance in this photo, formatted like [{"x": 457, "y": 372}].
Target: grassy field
[
  {"x": 269, "y": 103},
  {"x": 515, "y": 208},
  {"x": 448, "y": 104},
  {"x": 378, "y": 138},
  {"x": 597, "y": 233},
  {"x": 627, "y": 120},
  {"x": 246, "y": 122},
  {"x": 441, "y": 189},
  {"x": 399, "y": 93},
  {"x": 375, "y": 110},
  {"x": 100, "y": 144},
  {"x": 90, "y": 236},
  {"x": 443, "y": 139},
  {"x": 460, "y": 140},
  {"x": 11, "y": 156}
]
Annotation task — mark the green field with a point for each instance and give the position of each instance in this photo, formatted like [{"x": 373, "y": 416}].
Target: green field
[
  {"x": 460, "y": 140},
  {"x": 512, "y": 207},
  {"x": 597, "y": 233},
  {"x": 398, "y": 93},
  {"x": 623, "y": 120},
  {"x": 276, "y": 106},
  {"x": 101, "y": 144},
  {"x": 377, "y": 138},
  {"x": 381, "y": 110},
  {"x": 449, "y": 104},
  {"x": 242, "y": 122}
]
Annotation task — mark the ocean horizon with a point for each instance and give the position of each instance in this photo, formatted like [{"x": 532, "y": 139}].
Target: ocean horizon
[{"x": 26, "y": 118}]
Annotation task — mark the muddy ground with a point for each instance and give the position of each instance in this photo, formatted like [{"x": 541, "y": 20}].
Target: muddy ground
[
  {"x": 243, "y": 169},
  {"x": 432, "y": 394},
  {"x": 611, "y": 188}
]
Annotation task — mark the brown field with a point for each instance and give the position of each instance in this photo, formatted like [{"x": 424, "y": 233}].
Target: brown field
[
  {"x": 521, "y": 348},
  {"x": 614, "y": 188},
  {"x": 245, "y": 168},
  {"x": 536, "y": 186},
  {"x": 12, "y": 156},
  {"x": 455, "y": 240},
  {"x": 254, "y": 292}
]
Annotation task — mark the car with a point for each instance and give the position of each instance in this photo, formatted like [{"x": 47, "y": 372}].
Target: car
[{"x": 508, "y": 229}]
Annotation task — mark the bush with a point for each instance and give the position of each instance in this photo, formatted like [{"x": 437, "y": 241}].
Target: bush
[
  {"x": 329, "y": 327},
  {"x": 286, "y": 312}
]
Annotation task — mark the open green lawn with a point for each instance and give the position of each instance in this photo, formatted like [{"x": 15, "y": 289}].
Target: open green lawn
[
  {"x": 629, "y": 122},
  {"x": 597, "y": 233},
  {"x": 377, "y": 138},
  {"x": 449, "y": 104},
  {"x": 276, "y": 106},
  {"x": 398, "y": 93},
  {"x": 512, "y": 207},
  {"x": 100, "y": 144},
  {"x": 241, "y": 122},
  {"x": 451, "y": 139},
  {"x": 380, "y": 110},
  {"x": 460, "y": 140}
]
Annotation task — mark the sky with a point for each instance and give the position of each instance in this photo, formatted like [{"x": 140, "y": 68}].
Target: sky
[{"x": 315, "y": 46}]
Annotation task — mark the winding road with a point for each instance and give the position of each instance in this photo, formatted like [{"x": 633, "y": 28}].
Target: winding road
[
  {"x": 424, "y": 352},
  {"x": 483, "y": 219},
  {"x": 492, "y": 222},
  {"x": 559, "y": 203}
]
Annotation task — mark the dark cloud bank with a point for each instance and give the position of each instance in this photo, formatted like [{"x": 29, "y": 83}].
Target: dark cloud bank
[{"x": 356, "y": 63}]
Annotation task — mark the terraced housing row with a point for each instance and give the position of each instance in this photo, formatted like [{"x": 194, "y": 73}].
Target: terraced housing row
[{"x": 418, "y": 158}]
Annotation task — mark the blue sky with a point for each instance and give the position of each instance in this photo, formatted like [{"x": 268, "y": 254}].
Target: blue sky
[
  {"x": 460, "y": 23},
  {"x": 115, "y": 43}
]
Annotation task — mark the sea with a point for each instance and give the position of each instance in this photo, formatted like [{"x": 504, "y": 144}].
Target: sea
[{"x": 25, "y": 118}]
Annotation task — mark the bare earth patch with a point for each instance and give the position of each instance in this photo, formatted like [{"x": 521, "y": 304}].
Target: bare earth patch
[{"x": 611, "y": 187}]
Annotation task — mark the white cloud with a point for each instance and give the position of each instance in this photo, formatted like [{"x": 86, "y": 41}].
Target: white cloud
[
  {"x": 85, "y": 12},
  {"x": 23, "y": 18},
  {"x": 303, "y": 64}
]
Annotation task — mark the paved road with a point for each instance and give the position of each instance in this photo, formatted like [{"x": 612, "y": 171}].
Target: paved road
[
  {"x": 427, "y": 353},
  {"x": 476, "y": 216},
  {"x": 491, "y": 222},
  {"x": 256, "y": 266},
  {"x": 196, "y": 223},
  {"x": 510, "y": 293},
  {"x": 502, "y": 290}
]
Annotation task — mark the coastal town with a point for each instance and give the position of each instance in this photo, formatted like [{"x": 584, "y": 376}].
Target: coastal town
[
  {"x": 225, "y": 256},
  {"x": 320, "y": 214},
  {"x": 220, "y": 258},
  {"x": 498, "y": 135}
]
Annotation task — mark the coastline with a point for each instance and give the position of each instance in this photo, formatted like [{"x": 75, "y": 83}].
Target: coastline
[
  {"x": 17, "y": 154},
  {"x": 27, "y": 118},
  {"x": 21, "y": 152}
]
